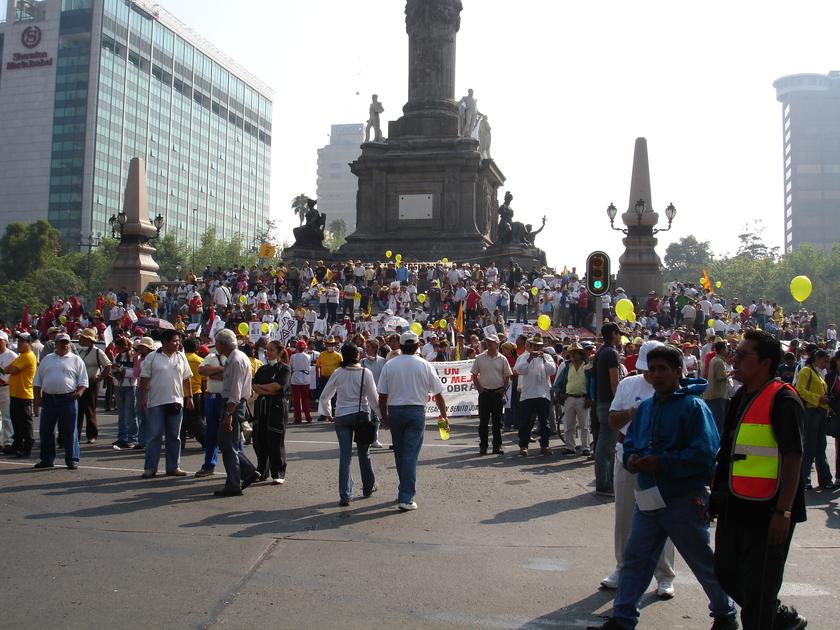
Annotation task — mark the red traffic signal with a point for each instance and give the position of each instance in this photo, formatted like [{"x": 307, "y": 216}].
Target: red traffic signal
[{"x": 598, "y": 273}]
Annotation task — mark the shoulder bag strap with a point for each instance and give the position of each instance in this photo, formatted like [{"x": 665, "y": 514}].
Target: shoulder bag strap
[{"x": 361, "y": 390}]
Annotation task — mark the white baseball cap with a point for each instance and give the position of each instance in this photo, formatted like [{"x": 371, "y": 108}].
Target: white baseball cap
[{"x": 641, "y": 362}]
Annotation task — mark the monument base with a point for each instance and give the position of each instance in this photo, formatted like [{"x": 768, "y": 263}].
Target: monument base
[
  {"x": 299, "y": 254},
  {"x": 424, "y": 198},
  {"x": 527, "y": 258},
  {"x": 133, "y": 268}
]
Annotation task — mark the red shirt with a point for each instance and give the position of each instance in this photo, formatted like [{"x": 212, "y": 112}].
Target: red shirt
[{"x": 630, "y": 362}]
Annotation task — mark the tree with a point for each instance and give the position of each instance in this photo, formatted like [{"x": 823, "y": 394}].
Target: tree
[
  {"x": 686, "y": 258},
  {"x": 50, "y": 284},
  {"x": 752, "y": 243},
  {"x": 26, "y": 247},
  {"x": 268, "y": 234},
  {"x": 15, "y": 295},
  {"x": 169, "y": 254},
  {"x": 336, "y": 234},
  {"x": 300, "y": 205}
]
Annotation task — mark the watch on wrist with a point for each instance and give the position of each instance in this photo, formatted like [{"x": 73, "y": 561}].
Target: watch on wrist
[{"x": 785, "y": 513}]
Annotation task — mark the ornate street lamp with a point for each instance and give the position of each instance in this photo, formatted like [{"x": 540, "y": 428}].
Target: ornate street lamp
[
  {"x": 670, "y": 213},
  {"x": 159, "y": 223}
]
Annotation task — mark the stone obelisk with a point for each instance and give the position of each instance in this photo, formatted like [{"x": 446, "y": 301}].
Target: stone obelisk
[
  {"x": 640, "y": 268},
  {"x": 134, "y": 266},
  {"x": 426, "y": 192}
]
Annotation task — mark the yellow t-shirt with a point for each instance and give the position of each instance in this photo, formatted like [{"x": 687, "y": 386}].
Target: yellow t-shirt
[
  {"x": 20, "y": 384},
  {"x": 256, "y": 364},
  {"x": 328, "y": 362},
  {"x": 195, "y": 380}
]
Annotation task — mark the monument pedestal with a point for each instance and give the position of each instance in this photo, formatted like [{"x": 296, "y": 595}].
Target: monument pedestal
[
  {"x": 425, "y": 198},
  {"x": 299, "y": 254}
]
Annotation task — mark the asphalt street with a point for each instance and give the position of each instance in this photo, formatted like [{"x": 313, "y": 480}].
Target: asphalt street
[{"x": 498, "y": 542}]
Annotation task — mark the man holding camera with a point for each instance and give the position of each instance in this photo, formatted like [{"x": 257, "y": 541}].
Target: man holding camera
[{"x": 535, "y": 370}]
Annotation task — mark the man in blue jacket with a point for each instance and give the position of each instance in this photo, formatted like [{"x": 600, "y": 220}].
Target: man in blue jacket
[{"x": 671, "y": 444}]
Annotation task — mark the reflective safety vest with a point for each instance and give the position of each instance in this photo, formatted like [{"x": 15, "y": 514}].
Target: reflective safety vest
[{"x": 756, "y": 464}]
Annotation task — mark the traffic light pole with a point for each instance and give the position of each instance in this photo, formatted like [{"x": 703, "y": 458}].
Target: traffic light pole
[{"x": 599, "y": 314}]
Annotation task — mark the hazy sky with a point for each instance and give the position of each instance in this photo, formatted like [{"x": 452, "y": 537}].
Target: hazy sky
[{"x": 567, "y": 87}]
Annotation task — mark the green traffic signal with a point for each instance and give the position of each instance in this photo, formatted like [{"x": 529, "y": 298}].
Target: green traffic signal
[{"x": 597, "y": 284}]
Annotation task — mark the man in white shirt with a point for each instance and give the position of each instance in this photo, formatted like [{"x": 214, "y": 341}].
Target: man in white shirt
[
  {"x": 60, "y": 380},
  {"x": 374, "y": 362},
  {"x": 6, "y": 358},
  {"x": 164, "y": 388},
  {"x": 301, "y": 366},
  {"x": 521, "y": 300},
  {"x": 490, "y": 298},
  {"x": 535, "y": 369},
  {"x": 491, "y": 374},
  {"x": 221, "y": 297},
  {"x": 212, "y": 368},
  {"x": 404, "y": 387},
  {"x": 630, "y": 392}
]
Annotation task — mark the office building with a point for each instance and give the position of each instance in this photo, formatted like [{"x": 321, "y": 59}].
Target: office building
[
  {"x": 337, "y": 186},
  {"x": 811, "y": 156},
  {"x": 86, "y": 85}
]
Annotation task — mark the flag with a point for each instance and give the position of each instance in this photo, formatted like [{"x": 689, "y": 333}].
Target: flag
[
  {"x": 459, "y": 323},
  {"x": 313, "y": 283},
  {"x": 211, "y": 318},
  {"x": 25, "y": 318},
  {"x": 705, "y": 281}
]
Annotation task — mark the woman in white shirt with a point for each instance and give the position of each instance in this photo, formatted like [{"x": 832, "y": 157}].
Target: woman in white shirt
[{"x": 356, "y": 391}]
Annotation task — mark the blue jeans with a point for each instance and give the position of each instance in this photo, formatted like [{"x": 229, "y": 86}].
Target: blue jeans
[
  {"x": 63, "y": 411},
  {"x": 522, "y": 313},
  {"x": 408, "y": 424},
  {"x": 684, "y": 522},
  {"x": 344, "y": 431},
  {"x": 214, "y": 405},
  {"x": 604, "y": 450},
  {"x": 159, "y": 423},
  {"x": 126, "y": 414},
  {"x": 141, "y": 422}
]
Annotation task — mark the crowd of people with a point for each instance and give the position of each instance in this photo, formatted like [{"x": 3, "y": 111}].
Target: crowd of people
[{"x": 698, "y": 389}]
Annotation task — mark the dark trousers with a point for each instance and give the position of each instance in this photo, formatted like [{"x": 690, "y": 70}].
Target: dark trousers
[
  {"x": 322, "y": 310},
  {"x": 751, "y": 571},
  {"x": 87, "y": 412},
  {"x": 21, "y": 412},
  {"x": 58, "y": 410},
  {"x": 269, "y": 439},
  {"x": 815, "y": 444},
  {"x": 332, "y": 312},
  {"x": 194, "y": 422},
  {"x": 490, "y": 404},
  {"x": 237, "y": 465},
  {"x": 527, "y": 409}
]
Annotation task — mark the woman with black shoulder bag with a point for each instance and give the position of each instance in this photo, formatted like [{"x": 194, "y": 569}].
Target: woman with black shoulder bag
[
  {"x": 271, "y": 415},
  {"x": 833, "y": 427},
  {"x": 356, "y": 396}
]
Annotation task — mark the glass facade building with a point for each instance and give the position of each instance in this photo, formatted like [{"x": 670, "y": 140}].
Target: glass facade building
[
  {"x": 811, "y": 158},
  {"x": 337, "y": 185},
  {"x": 130, "y": 80}
]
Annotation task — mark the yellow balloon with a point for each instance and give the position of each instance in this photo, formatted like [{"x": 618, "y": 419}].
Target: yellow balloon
[
  {"x": 421, "y": 298},
  {"x": 623, "y": 308},
  {"x": 62, "y": 319},
  {"x": 711, "y": 323},
  {"x": 544, "y": 322},
  {"x": 242, "y": 299},
  {"x": 243, "y": 328},
  {"x": 631, "y": 317},
  {"x": 442, "y": 324},
  {"x": 624, "y": 340},
  {"x": 265, "y": 328},
  {"x": 416, "y": 328},
  {"x": 800, "y": 288},
  {"x": 718, "y": 284},
  {"x": 398, "y": 258},
  {"x": 535, "y": 291},
  {"x": 388, "y": 254},
  {"x": 739, "y": 309},
  {"x": 275, "y": 326},
  {"x": 444, "y": 260}
]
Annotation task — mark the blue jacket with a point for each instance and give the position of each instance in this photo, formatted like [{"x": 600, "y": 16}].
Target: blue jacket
[{"x": 681, "y": 432}]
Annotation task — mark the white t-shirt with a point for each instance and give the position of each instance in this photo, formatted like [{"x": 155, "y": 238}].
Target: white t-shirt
[
  {"x": 5, "y": 359},
  {"x": 346, "y": 385},
  {"x": 166, "y": 376},
  {"x": 301, "y": 365},
  {"x": 630, "y": 393},
  {"x": 213, "y": 360},
  {"x": 408, "y": 380},
  {"x": 61, "y": 374}
]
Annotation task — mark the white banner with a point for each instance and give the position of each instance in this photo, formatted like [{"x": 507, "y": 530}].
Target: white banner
[{"x": 459, "y": 392}]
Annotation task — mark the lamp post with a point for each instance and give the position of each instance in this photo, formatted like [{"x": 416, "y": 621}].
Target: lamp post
[
  {"x": 159, "y": 222},
  {"x": 92, "y": 241},
  {"x": 195, "y": 237},
  {"x": 639, "y": 210},
  {"x": 178, "y": 271}
]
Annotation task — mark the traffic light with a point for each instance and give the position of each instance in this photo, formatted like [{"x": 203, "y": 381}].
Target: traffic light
[{"x": 598, "y": 273}]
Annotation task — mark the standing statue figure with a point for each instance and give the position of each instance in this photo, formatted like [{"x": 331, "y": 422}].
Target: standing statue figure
[
  {"x": 373, "y": 120},
  {"x": 311, "y": 233},
  {"x": 484, "y": 136},
  {"x": 505, "y": 221},
  {"x": 468, "y": 109}
]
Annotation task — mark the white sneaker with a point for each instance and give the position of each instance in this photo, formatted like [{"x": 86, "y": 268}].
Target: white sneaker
[
  {"x": 377, "y": 444},
  {"x": 407, "y": 507},
  {"x": 665, "y": 588},
  {"x": 278, "y": 481},
  {"x": 611, "y": 581}
]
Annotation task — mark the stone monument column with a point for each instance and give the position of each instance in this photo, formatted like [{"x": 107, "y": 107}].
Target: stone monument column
[
  {"x": 134, "y": 266},
  {"x": 431, "y": 110}
]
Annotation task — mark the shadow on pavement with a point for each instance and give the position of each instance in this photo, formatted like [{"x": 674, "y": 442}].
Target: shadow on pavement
[{"x": 582, "y": 612}]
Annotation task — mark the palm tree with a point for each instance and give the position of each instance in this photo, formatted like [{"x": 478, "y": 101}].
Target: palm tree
[{"x": 299, "y": 205}]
